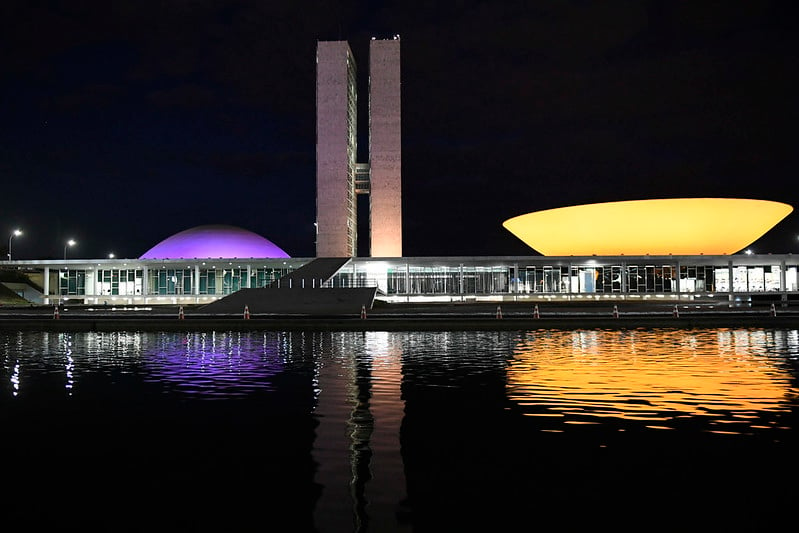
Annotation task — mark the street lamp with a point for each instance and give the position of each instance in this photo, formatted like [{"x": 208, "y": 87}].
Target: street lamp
[
  {"x": 70, "y": 242},
  {"x": 15, "y": 233}
]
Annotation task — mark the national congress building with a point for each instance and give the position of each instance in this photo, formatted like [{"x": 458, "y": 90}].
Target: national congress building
[{"x": 206, "y": 263}]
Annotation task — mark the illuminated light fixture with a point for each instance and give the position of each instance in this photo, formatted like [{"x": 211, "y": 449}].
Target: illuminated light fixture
[
  {"x": 70, "y": 242},
  {"x": 15, "y": 233},
  {"x": 679, "y": 226}
]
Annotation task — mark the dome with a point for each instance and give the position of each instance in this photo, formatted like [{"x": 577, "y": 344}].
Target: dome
[
  {"x": 212, "y": 242},
  {"x": 679, "y": 226}
]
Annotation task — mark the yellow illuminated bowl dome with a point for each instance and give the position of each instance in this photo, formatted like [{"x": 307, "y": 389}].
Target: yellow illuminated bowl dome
[{"x": 679, "y": 226}]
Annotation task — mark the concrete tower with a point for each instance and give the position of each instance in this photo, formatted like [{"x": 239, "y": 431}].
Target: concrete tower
[
  {"x": 336, "y": 150},
  {"x": 385, "y": 149},
  {"x": 339, "y": 178}
]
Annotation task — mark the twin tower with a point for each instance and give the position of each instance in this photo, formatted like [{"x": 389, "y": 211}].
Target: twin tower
[{"x": 339, "y": 177}]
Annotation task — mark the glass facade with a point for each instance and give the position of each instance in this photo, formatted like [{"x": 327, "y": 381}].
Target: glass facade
[
  {"x": 211, "y": 281},
  {"x": 124, "y": 281},
  {"x": 170, "y": 281},
  {"x": 119, "y": 282},
  {"x": 601, "y": 276},
  {"x": 537, "y": 276},
  {"x": 71, "y": 282}
]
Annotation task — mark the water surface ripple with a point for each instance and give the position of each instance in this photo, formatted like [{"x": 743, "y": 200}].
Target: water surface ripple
[
  {"x": 729, "y": 381},
  {"x": 400, "y": 431}
]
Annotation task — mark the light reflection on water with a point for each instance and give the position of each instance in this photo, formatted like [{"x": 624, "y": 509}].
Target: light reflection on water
[
  {"x": 203, "y": 365},
  {"x": 728, "y": 378},
  {"x": 213, "y": 364},
  {"x": 381, "y": 431}
]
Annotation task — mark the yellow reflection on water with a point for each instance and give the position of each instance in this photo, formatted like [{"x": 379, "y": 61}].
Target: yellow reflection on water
[{"x": 653, "y": 376}]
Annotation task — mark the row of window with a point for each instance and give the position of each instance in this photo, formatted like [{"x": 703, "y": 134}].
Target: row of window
[
  {"x": 167, "y": 281},
  {"x": 447, "y": 280},
  {"x": 572, "y": 279}
]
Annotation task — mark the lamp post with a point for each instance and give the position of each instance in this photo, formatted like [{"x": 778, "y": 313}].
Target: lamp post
[
  {"x": 70, "y": 242},
  {"x": 15, "y": 233}
]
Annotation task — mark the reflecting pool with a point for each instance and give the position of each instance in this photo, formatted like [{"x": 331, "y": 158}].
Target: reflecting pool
[{"x": 399, "y": 431}]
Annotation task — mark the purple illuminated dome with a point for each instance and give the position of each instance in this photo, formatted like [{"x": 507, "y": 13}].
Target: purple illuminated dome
[{"x": 213, "y": 242}]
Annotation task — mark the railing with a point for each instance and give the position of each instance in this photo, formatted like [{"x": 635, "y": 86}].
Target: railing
[{"x": 320, "y": 283}]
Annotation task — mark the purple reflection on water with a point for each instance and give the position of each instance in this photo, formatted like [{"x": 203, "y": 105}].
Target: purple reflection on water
[
  {"x": 214, "y": 241},
  {"x": 215, "y": 365}
]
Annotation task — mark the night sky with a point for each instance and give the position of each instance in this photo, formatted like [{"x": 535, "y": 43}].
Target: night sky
[{"x": 122, "y": 123}]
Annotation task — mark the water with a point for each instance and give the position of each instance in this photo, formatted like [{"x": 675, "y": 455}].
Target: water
[{"x": 399, "y": 431}]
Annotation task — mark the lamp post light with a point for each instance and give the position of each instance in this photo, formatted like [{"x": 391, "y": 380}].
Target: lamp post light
[
  {"x": 70, "y": 242},
  {"x": 15, "y": 233}
]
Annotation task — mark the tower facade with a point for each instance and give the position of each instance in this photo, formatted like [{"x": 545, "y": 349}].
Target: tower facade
[
  {"x": 339, "y": 178},
  {"x": 385, "y": 149},
  {"x": 336, "y": 150}
]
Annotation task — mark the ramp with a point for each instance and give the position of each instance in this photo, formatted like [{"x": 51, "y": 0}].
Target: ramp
[
  {"x": 327, "y": 302},
  {"x": 299, "y": 293},
  {"x": 312, "y": 274}
]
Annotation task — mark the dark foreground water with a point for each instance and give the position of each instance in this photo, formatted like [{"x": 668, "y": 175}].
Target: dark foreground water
[{"x": 540, "y": 430}]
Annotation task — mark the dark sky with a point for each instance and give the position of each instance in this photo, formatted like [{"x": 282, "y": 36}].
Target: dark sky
[{"x": 122, "y": 123}]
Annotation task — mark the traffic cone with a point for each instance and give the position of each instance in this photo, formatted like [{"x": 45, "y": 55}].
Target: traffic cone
[
  {"x": 246, "y": 313},
  {"x": 615, "y": 312},
  {"x": 180, "y": 313},
  {"x": 56, "y": 315},
  {"x": 363, "y": 311},
  {"x": 535, "y": 312},
  {"x": 499, "y": 312},
  {"x": 773, "y": 310},
  {"x": 676, "y": 312}
]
